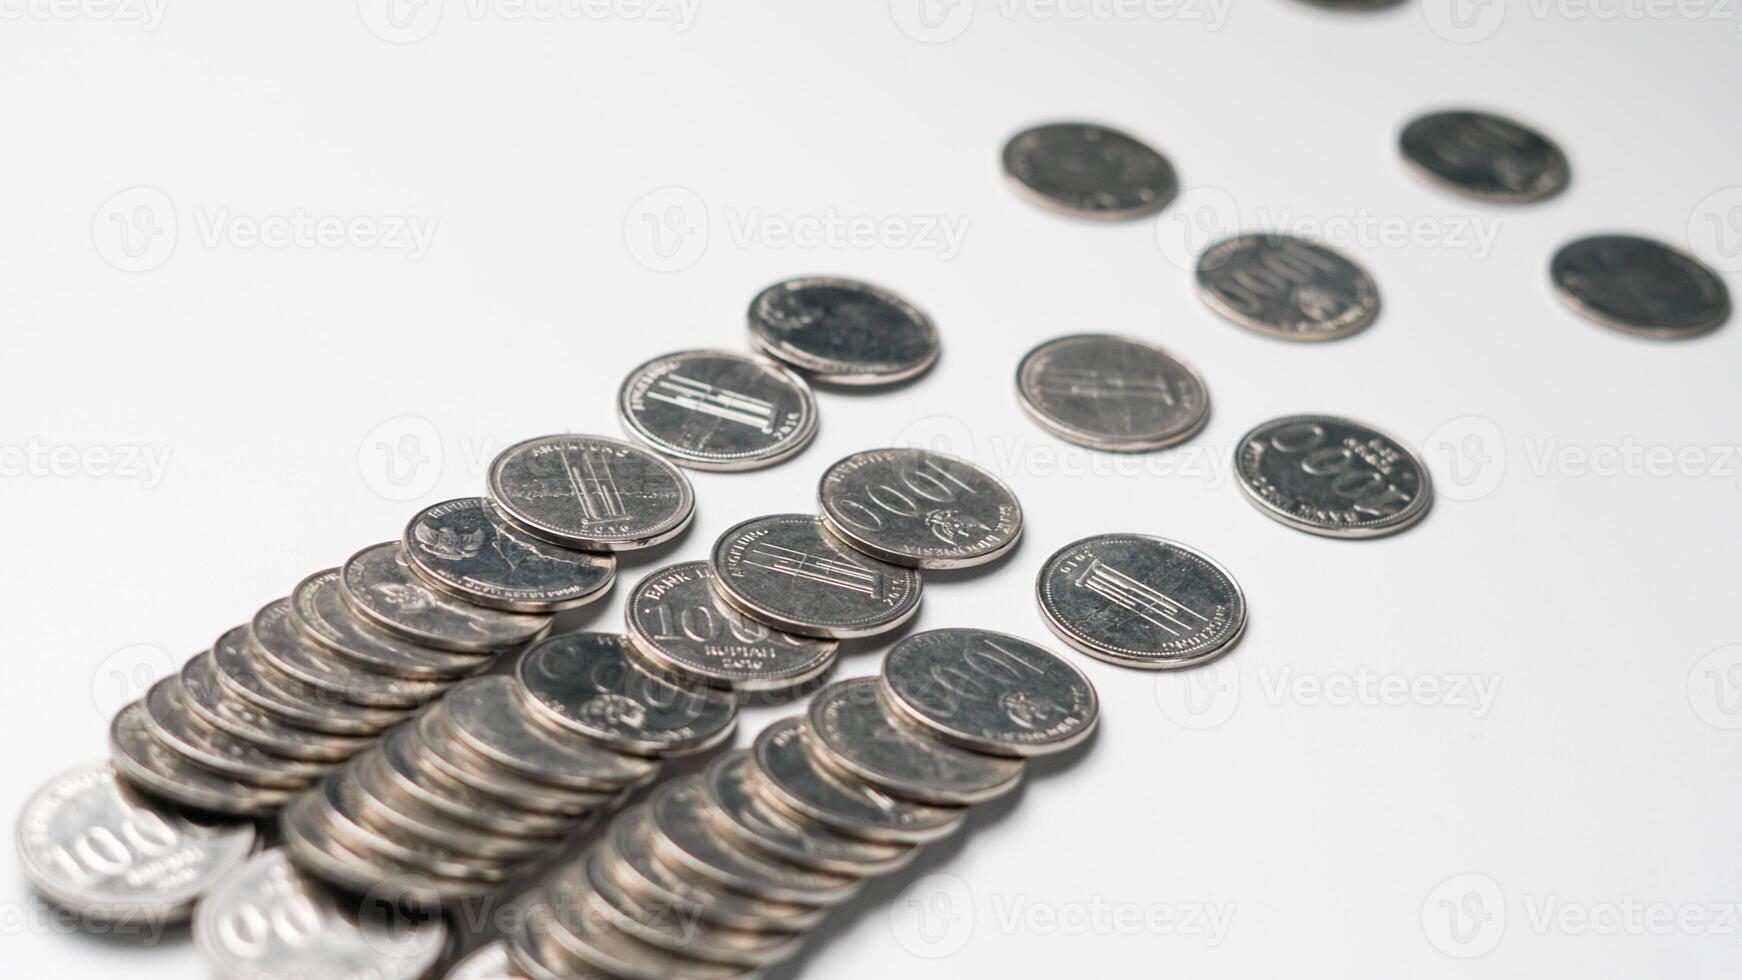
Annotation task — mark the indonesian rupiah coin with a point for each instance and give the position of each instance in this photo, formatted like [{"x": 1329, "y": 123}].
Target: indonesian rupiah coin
[
  {"x": 1287, "y": 287},
  {"x": 320, "y": 608},
  {"x": 842, "y": 331},
  {"x": 1089, "y": 171},
  {"x": 1112, "y": 393},
  {"x": 856, "y": 733},
  {"x": 244, "y": 672},
  {"x": 465, "y": 549},
  {"x": 182, "y": 732},
  {"x": 1141, "y": 601},
  {"x": 1640, "y": 286},
  {"x": 750, "y": 818},
  {"x": 1332, "y": 476},
  {"x": 296, "y": 654},
  {"x": 150, "y": 765},
  {"x": 919, "y": 509},
  {"x": 591, "y": 493},
  {"x": 205, "y": 696},
  {"x": 380, "y": 584},
  {"x": 586, "y": 683},
  {"x": 788, "y": 571},
  {"x": 718, "y": 410},
  {"x": 493, "y": 717},
  {"x": 1485, "y": 156},
  {"x": 791, "y": 775},
  {"x": 487, "y": 962},
  {"x": 686, "y": 833}
]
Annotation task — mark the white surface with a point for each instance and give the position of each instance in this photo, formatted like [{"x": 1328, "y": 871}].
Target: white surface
[{"x": 1597, "y": 776}]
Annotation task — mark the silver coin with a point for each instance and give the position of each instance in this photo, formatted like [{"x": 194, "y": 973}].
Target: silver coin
[
  {"x": 1141, "y": 601},
  {"x": 842, "y": 331},
  {"x": 990, "y": 692},
  {"x": 585, "y": 682},
  {"x": 1089, "y": 171},
  {"x": 790, "y": 572},
  {"x": 679, "y": 625},
  {"x": 750, "y": 819},
  {"x": 1332, "y": 476},
  {"x": 443, "y": 751},
  {"x": 1640, "y": 286},
  {"x": 686, "y": 832},
  {"x": 205, "y": 696},
  {"x": 584, "y": 935},
  {"x": 919, "y": 509},
  {"x": 675, "y": 932},
  {"x": 296, "y": 654},
  {"x": 487, "y": 962},
  {"x": 403, "y": 761},
  {"x": 493, "y": 717},
  {"x": 345, "y": 815},
  {"x": 319, "y": 606},
  {"x": 591, "y": 493},
  {"x": 791, "y": 776},
  {"x": 1112, "y": 393},
  {"x": 1484, "y": 156},
  {"x": 314, "y": 841},
  {"x": 148, "y": 764},
  {"x": 182, "y": 732},
  {"x": 534, "y": 950},
  {"x": 386, "y": 806},
  {"x": 852, "y": 731},
  {"x": 268, "y": 920},
  {"x": 718, "y": 410},
  {"x": 1287, "y": 287},
  {"x": 379, "y": 583},
  {"x": 243, "y": 672},
  {"x": 465, "y": 549},
  {"x": 93, "y": 845}
]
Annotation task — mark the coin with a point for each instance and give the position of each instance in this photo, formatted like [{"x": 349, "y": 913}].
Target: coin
[
  {"x": 94, "y": 845},
  {"x": 1112, "y": 393},
  {"x": 466, "y": 550},
  {"x": 686, "y": 833},
  {"x": 181, "y": 731},
  {"x": 1640, "y": 287},
  {"x": 319, "y": 607},
  {"x": 1089, "y": 171},
  {"x": 315, "y": 843},
  {"x": 386, "y": 806},
  {"x": 268, "y": 920},
  {"x": 1485, "y": 156},
  {"x": 688, "y": 935},
  {"x": 145, "y": 762},
  {"x": 718, "y": 410},
  {"x": 585, "y": 682},
  {"x": 205, "y": 697},
  {"x": 487, "y": 962},
  {"x": 583, "y": 934},
  {"x": 403, "y": 761},
  {"x": 679, "y": 625},
  {"x": 1332, "y": 476},
  {"x": 791, "y": 776},
  {"x": 296, "y": 654},
  {"x": 791, "y": 573},
  {"x": 1287, "y": 287},
  {"x": 243, "y": 672},
  {"x": 379, "y": 583},
  {"x": 534, "y": 950},
  {"x": 989, "y": 692},
  {"x": 591, "y": 493},
  {"x": 1141, "y": 601},
  {"x": 444, "y": 753},
  {"x": 343, "y": 813},
  {"x": 853, "y": 732},
  {"x": 748, "y": 818},
  {"x": 493, "y": 718},
  {"x": 920, "y": 509},
  {"x": 842, "y": 331}
]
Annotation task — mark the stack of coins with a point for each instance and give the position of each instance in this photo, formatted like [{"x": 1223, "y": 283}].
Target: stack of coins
[{"x": 722, "y": 873}]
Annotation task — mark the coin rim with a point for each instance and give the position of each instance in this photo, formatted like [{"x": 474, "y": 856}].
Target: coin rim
[
  {"x": 842, "y": 372},
  {"x": 1098, "y": 442},
  {"x": 1403, "y": 520},
  {"x": 1602, "y": 319},
  {"x": 1266, "y": 329},
  {"x": 780, "y": 620},
  {"x": 720, "y": 462},
  {"x": 667, "y": 528},
  {"x": 1562, "y": 168},
  {"x": 894, "y": 556},
  {"x": 1033, "y": 195}
]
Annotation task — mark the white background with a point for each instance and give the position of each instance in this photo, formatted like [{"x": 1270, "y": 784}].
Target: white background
[{"x": 311, "y": 396}]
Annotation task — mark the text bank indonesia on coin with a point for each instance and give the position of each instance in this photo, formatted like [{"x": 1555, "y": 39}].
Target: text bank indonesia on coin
[
  {"x": 717, "y": 410},
  {"x": 919, "y": 508},
  {"x": 591, "y": 493},
  {"x": 1640, "y": 286},
  {"x": 1112, "y": 393},
  {"x": 1089, "y": 171},
  {"x": 791, "y": 573},
  {"x": 1486, "y": 157},
  {"x": 1331, "y": 476},
  {"x": 842, "y": 331},
  {"x": 1287, "y": 287},
  {"x": 1141, "y": 601}
]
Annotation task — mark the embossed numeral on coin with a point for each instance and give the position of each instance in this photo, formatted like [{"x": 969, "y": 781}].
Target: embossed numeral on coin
[
  {"x": 99, "y": 851},
  {"x": 927, "y": 481},
  {"x": 994, "y": 663},
  {"x": 1351, "y": 477},
  {"x": 251, "y": 932},
  {"x": 1274, "y": 273}
]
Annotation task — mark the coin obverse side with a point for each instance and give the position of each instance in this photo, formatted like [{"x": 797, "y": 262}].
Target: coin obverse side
[
  {"x": 1485, "y": 156},
  {"x": 586, "y": 683},
  {"x": 842, "y": 331},
  {"x": 1640, "y": 286},
  {"x": 1141, "y": 601},
  {"x": 591, "y": 493},
  {"x": 466, "y": 550},
  {"x": 1333, "y": 477},
  {"x": 855, "y": 732},
  {"x": 1287, "y": 287},
  {"x": 790, "y": 774},
  {"x": 920, "y": 509},
  {"x": 789, "y": 572},
  {"x": 1112, "y": 393},
  {"x": 379, "y": 583},
  {"x": 718, "y": 410},
  {"x": 1089, "y": 171}
]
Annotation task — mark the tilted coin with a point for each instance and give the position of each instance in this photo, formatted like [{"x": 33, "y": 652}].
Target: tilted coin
[
  {"x": 854, "y": 732},
  {"x": 345, "y": 816},
  {"x": 1112, "y": 393},
  {"x": 494, "y": 718},
  {"x": 1640, "y": 286},
  {"x": 718, "y": 410},
  {"x": 381, "y": 585},
  {"x": 658, "y": 925},
  {"x": 791, "y": 776},
  {"x": 404, "y": 762},
  {"x": 678, "y": 623},
  {"x": 1485, "y": 156},
  {"x": 1089, "y": 171},
  {"x": 842, "y": 331},
  {"x": 243, "y": 671},
  {"x": 321, "y": 610},
  {"x": 487, "y": 962},
  {"x": 313, "y": 839},
  {"x": 591, "y": 493},
  {"x": 748, "y": 818},
  {"x": 1332, "y": 476},
  {"x": 1353, "y": 5},
  {"x": 92, "y": 844},
  {"x": 790, "y": 572},
  {"x": 148, "y": 764},
  {"x": 920, "y": 509},
  {"x": 990, "y": 692},
  {"x": 1141, "y": 601},
  {"x": 442, "y": 749},
  {"x": 205, "y": 696},
  {"x": 386, "y": 806},
  {"x": 1287, "y": 287},
  {"x": 585, "y": 682},
  {"x": 585, "y": 938},
  {"x": 686, "y": 833},
  {"x": 295, "y": 653},
  {"x": 182, "y": 732},
  {"x": 534, "y": 950},
  {"x": 465, "y": 549}
]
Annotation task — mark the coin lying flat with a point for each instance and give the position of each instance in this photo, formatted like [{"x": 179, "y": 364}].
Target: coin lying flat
[
  {"x": 94, "y": 845},
  {"x": 842, "y": 331},
  {"x": 920, "y": 509},
  {"x": 1112, "y": 393},
  {"x": 748, "y": 818},
  {"x": 492, "y": 717},
  {"x": 586, "y": 683},
  {"x": 678, "y": 623},
  {"x": 1332, "y": 476},
  {"x": 718, "y": 410},
  {"x": 1141, "y": 601},
  {"x": 379, "y": 583},
  {"x": 145, "y": 762},
  {"x": 1287, "y": 287},
  {"x": 205, "y": 696},
  {"x": 989, "y": 692},
  {"x": 466, "y": 550},
  {"x": 791, "y": 775},
  {"x": 1089, "y": 171},
  {"x": 1640, "y": 287},
  {"x": 321, "y": 610},
  {"x": 854, "y": 732},
  {"x": 791, "y": 573},
  {"x": 1485, "y": 156},
  {"x": 487, "y": 962},
  {"x": 685, "y": 832},
  {"x": 591, "y": 493},
  {"x": 294, "y": 652}
]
